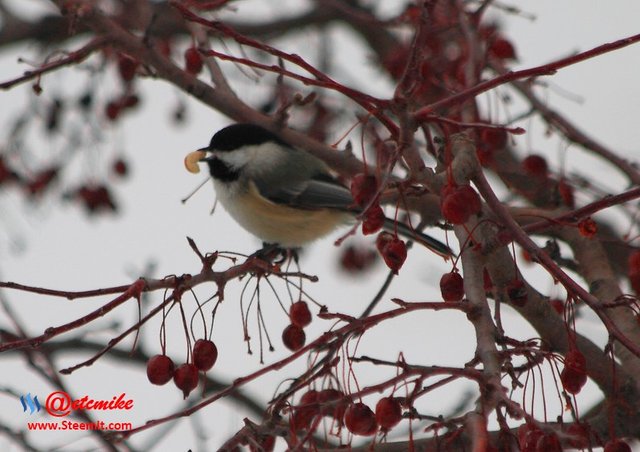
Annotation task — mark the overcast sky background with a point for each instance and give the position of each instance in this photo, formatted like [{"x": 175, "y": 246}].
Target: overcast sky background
[{"x": 54, "y": 245}]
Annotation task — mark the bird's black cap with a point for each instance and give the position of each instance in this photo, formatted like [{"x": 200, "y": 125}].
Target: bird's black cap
[{"x": 238, "y": 135}]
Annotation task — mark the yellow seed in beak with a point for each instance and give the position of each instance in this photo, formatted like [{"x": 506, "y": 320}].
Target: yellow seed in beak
[{"x": 191, "y": 161}]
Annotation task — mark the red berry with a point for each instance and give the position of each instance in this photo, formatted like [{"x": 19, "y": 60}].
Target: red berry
[
  {"x": 363, "y": 189},
  {"x": 459, "y": 203},
  {"x": 394, "y": 253},
  {"x": 112, "y": 110},
  {"x": 566, "y": 193},
  {"x": 41, "y": 181},
  {"x": 96, "y": 198},
  {"x": 452, "y": 287},
  {"x": 471, "y": 197},
  {"x": 502, "y": 49},
  {"x": 528, "y": 436},
  {"x": 130, "y": 101},
  {"x": 160, "y": 369},
  {"x": 548, "y": 442},
  {"x": 535, "y": 165},
  {"x": 575, "y": 360},
  {"x": 517, "y": 292},
  {"x": 388, "y": 412},
  {"x": 573, "y": 379},
  {"x": 127, "y": 67},
  {"x": 306, "y": 410},
  {"x": 293, "y": 337},
  {"x": 360, "y": 420},
  {"x": 193, "y": 61},
  {"x": 205, "y": 354},
  {"x": 355, "y": 259},
  {"x": 120, "y": 167},
  {"x": 333, "y": 403},
  {"x": 186, "y": 378},
  {"x": 616, "y": 445},
  {"x": 299, "y": 314},
  {"x": 383, "y": 239},
  {"x": 373, "y": 220}
]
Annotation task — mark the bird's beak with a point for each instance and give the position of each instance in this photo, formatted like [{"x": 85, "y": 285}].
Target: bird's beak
[{"x": 207, "y": 154}]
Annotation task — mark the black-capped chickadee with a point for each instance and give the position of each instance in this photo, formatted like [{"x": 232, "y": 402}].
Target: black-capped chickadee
[{"x": 281, "y": 194}]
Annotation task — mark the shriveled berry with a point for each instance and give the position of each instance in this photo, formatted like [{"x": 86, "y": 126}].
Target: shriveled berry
[
  {"x": 293, "y": 337},
  {"x": 452, "y": 287},
  {"x": 299, "y": 314},
  {"x": 205, "y": 354},
  {"x": 388, "y": 413},
  {"x": 373, "y": 220},
  {"x": 616, "y": 445},
  {"x": 193, "y": 61},
  {"x": 360, "y": 420},
  {"x": 186, "y": 378},
  {"x": 160, "y": 369},
  {"x": 394, "y": 254}
]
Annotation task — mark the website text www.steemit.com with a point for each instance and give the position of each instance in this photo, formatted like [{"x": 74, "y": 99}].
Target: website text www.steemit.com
[{"x": 72, "y": 425}]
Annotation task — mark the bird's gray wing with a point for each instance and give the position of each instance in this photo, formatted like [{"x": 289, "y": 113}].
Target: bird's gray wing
[{"x": 321, "y": 191}]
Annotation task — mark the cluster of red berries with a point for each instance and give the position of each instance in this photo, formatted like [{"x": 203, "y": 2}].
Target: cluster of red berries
[
  {"x": 357, "y": 417},
  {"x": 532, "y": 439},
  {"x": 293, "y": 336},
  {"x": 160, "y": 368}
]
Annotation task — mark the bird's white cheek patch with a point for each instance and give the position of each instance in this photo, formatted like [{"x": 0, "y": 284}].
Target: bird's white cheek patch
[{"x": 191, "y": 161}]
